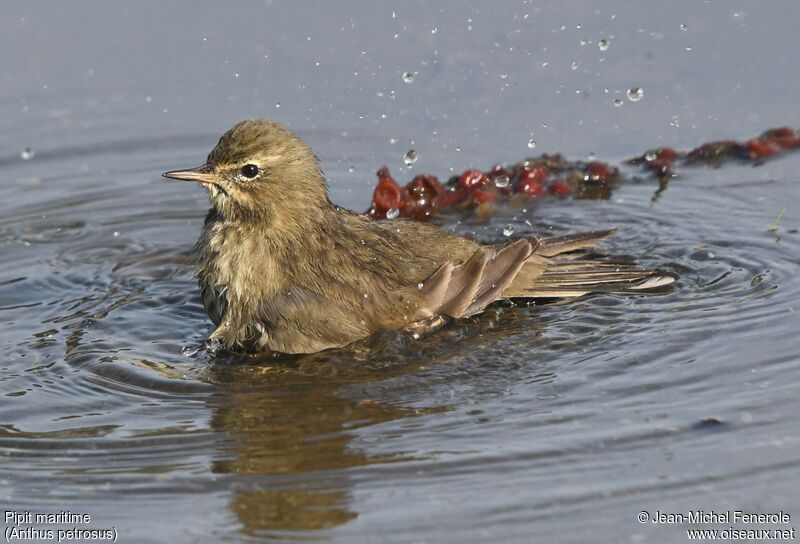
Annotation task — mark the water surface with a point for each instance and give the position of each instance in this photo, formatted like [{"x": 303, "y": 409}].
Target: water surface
[{"x": 554, "y": 423}]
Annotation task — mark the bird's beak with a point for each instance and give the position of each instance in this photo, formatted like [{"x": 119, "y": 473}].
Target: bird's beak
[{"x": 201, "y": 174}]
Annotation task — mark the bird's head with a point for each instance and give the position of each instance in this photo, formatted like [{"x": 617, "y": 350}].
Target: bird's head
[{"x": 261, "y": 172}]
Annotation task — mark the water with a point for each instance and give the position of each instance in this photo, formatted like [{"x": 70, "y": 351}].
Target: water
[{"x": 549, "y": 423}]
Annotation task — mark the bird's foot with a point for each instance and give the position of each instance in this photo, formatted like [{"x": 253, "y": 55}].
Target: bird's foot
[
  {"x": 418, "y": 329},
  {"x": 209, "y": 345}
]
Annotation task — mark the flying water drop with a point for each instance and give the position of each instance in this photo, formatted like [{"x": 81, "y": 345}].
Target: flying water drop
[
  {"x": 502, "y": 181},
  {"x": 635, "y": 94}
]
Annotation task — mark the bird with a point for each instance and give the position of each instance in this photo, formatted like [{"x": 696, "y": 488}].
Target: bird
[{"x": 282, "y": 269}]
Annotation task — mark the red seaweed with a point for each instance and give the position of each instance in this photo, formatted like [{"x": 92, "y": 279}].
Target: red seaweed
[{"x": 552, "y": 175}]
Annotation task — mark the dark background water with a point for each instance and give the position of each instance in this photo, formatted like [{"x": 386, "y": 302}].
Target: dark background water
[{"x": 556, "y": 423}]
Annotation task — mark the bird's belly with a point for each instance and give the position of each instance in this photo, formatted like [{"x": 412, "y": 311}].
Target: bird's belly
[{"x": 236, "y": 277}]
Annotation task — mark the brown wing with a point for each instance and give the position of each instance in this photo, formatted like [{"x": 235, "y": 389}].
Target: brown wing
[
  {"x": 461, "y": 290},
  {"x": 531, "y": 268}
]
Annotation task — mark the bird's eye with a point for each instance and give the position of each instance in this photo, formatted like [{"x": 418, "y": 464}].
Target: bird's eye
[{"x": 249, "y": 170}]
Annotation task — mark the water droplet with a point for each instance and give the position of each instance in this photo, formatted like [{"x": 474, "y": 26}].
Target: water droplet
[
  {"x": 575, "y": 65},
  {"x": 508, "y": 230},
  {"x": 408, "y": 77},
  {"x": 434, "y": 30},
  {"x": 27, "y": 154},
  {"x": 502, "y": 181},
  {"x": 684, "y": 28},
  {"x": 531, "y": 143},
  {"x": 635, "y": 94},
  {"x": 603, "y": 44},
  {"x": 410, "y": 157},
  {"x": 503, "y": 76},
  {"x": 392, "y": 140},
  {"x": 650, "y": 156},
  {"x": 351, "y": 169},
  {"x": 584, "y": 42},
  {"x": 592, "y": 156},
  {"x": 392, "y": 213},
  {"x": 617, "y": 102},
  {"x": 189, "y": 351},
  {"x": 278, "y": 105},
  {"x": 420, "y": 285}
]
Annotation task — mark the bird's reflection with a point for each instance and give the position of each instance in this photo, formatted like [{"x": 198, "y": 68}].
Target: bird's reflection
[
  {"x": 293, "y": 449},
  {"x": 295, "y": 421}
]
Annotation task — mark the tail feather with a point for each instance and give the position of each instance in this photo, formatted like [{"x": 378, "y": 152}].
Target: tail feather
[
  {"x": 559, "y": 269},
  {"x": 556, "y": 245},
  {"x": 599, "y": 277}
]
